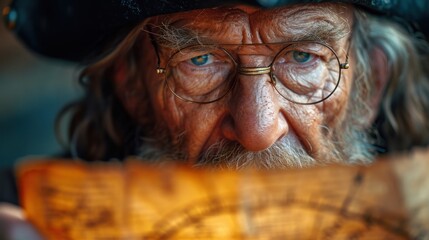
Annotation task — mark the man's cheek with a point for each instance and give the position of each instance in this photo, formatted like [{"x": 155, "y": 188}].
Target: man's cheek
[
  {"x": 171, "y": 111},
  {"x": 334, "y": 109}
]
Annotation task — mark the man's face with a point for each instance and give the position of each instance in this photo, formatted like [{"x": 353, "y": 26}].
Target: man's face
[{"x": 252, "y": 118}]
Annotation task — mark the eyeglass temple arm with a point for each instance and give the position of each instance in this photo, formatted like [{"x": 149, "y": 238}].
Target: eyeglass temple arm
[
  {"x": 159, "y": 70},
  {"x": 346, "y": 64}
]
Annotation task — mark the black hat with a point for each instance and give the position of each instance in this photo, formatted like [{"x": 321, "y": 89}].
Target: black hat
[{"x": 72, "y": 29}]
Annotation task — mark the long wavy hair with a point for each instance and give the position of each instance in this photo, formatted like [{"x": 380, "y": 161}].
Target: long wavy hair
[
  {"x": 99, "y": 128},
  {"x": 403, "y": 118}
]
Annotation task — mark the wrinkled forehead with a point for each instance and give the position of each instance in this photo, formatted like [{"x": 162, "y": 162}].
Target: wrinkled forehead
[{"x": 240, "y": 24}]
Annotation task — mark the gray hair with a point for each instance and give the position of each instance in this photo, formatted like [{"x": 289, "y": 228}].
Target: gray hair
[{"x": 402, "y": 120}]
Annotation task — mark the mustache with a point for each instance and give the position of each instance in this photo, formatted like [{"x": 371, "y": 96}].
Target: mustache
[
  {"x": 285, "y": 153},
  {"x": 347, "y": 146},
  {"x": 288, "y": 152}
]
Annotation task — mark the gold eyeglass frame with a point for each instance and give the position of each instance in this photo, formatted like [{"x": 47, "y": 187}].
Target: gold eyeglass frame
[{"x": 252, "y": 71}]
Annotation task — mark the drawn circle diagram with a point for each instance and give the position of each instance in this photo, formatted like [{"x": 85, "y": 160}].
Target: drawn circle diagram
[
  {"x": 282, "y": 214},
  {"x": 136, "y": 201}
]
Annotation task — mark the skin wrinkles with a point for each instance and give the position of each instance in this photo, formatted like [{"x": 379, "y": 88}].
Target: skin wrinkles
[
  {"x": 333, "y": 108},
  {"x": 160, "y": 97},
  {"x": 320, "y": 29},
  {"x": 303, "y": 122},
  {"x": 225, "y": 26},
  {"x": 253, "y": 109},
  {"x": 207, "y": 124},
  {"x": 233, "y": 27},
  {"x": 316, "y": 22}
]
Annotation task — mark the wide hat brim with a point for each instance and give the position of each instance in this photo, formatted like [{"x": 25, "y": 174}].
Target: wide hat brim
[{"x": 73, "y": 29}]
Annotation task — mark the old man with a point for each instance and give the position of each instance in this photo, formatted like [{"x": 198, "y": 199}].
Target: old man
[{"x": 265, "y": 84}]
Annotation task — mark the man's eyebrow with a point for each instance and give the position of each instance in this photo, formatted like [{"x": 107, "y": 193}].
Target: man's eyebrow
[
  {"x": 320, "y": 32},
  {"x": 168, "y": 35},
  {"x": 313, "y": 24}
]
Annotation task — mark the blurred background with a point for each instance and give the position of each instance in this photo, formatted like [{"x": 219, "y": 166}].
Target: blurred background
[{"x": 32, "y": 91}]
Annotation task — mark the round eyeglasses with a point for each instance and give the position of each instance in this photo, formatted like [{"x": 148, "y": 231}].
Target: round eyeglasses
[{"x": 301, "y": 72}]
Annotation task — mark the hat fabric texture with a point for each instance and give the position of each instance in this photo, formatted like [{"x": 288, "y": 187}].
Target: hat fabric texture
[{"x": 72, "y": 29}]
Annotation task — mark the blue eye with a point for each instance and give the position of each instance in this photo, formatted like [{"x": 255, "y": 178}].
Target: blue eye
[
  {"x": 200, "y": 60},
  {"x": 301, "y": 57}
]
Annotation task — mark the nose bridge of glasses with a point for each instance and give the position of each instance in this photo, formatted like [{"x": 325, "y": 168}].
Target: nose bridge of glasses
[
  {"x": 254, "y": 70},
  {"x": 254, "y": 64}
]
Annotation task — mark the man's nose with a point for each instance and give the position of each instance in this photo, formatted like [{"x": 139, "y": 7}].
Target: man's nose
[{"x": 255, "y": 119}]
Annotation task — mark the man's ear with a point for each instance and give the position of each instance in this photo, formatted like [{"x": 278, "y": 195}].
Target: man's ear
[
  {"x": 119, "y": 74},
  {"x": 120, "y": 79},
  {"x": 127, "y": 94},
  {"x": 380, "y": 72}
]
